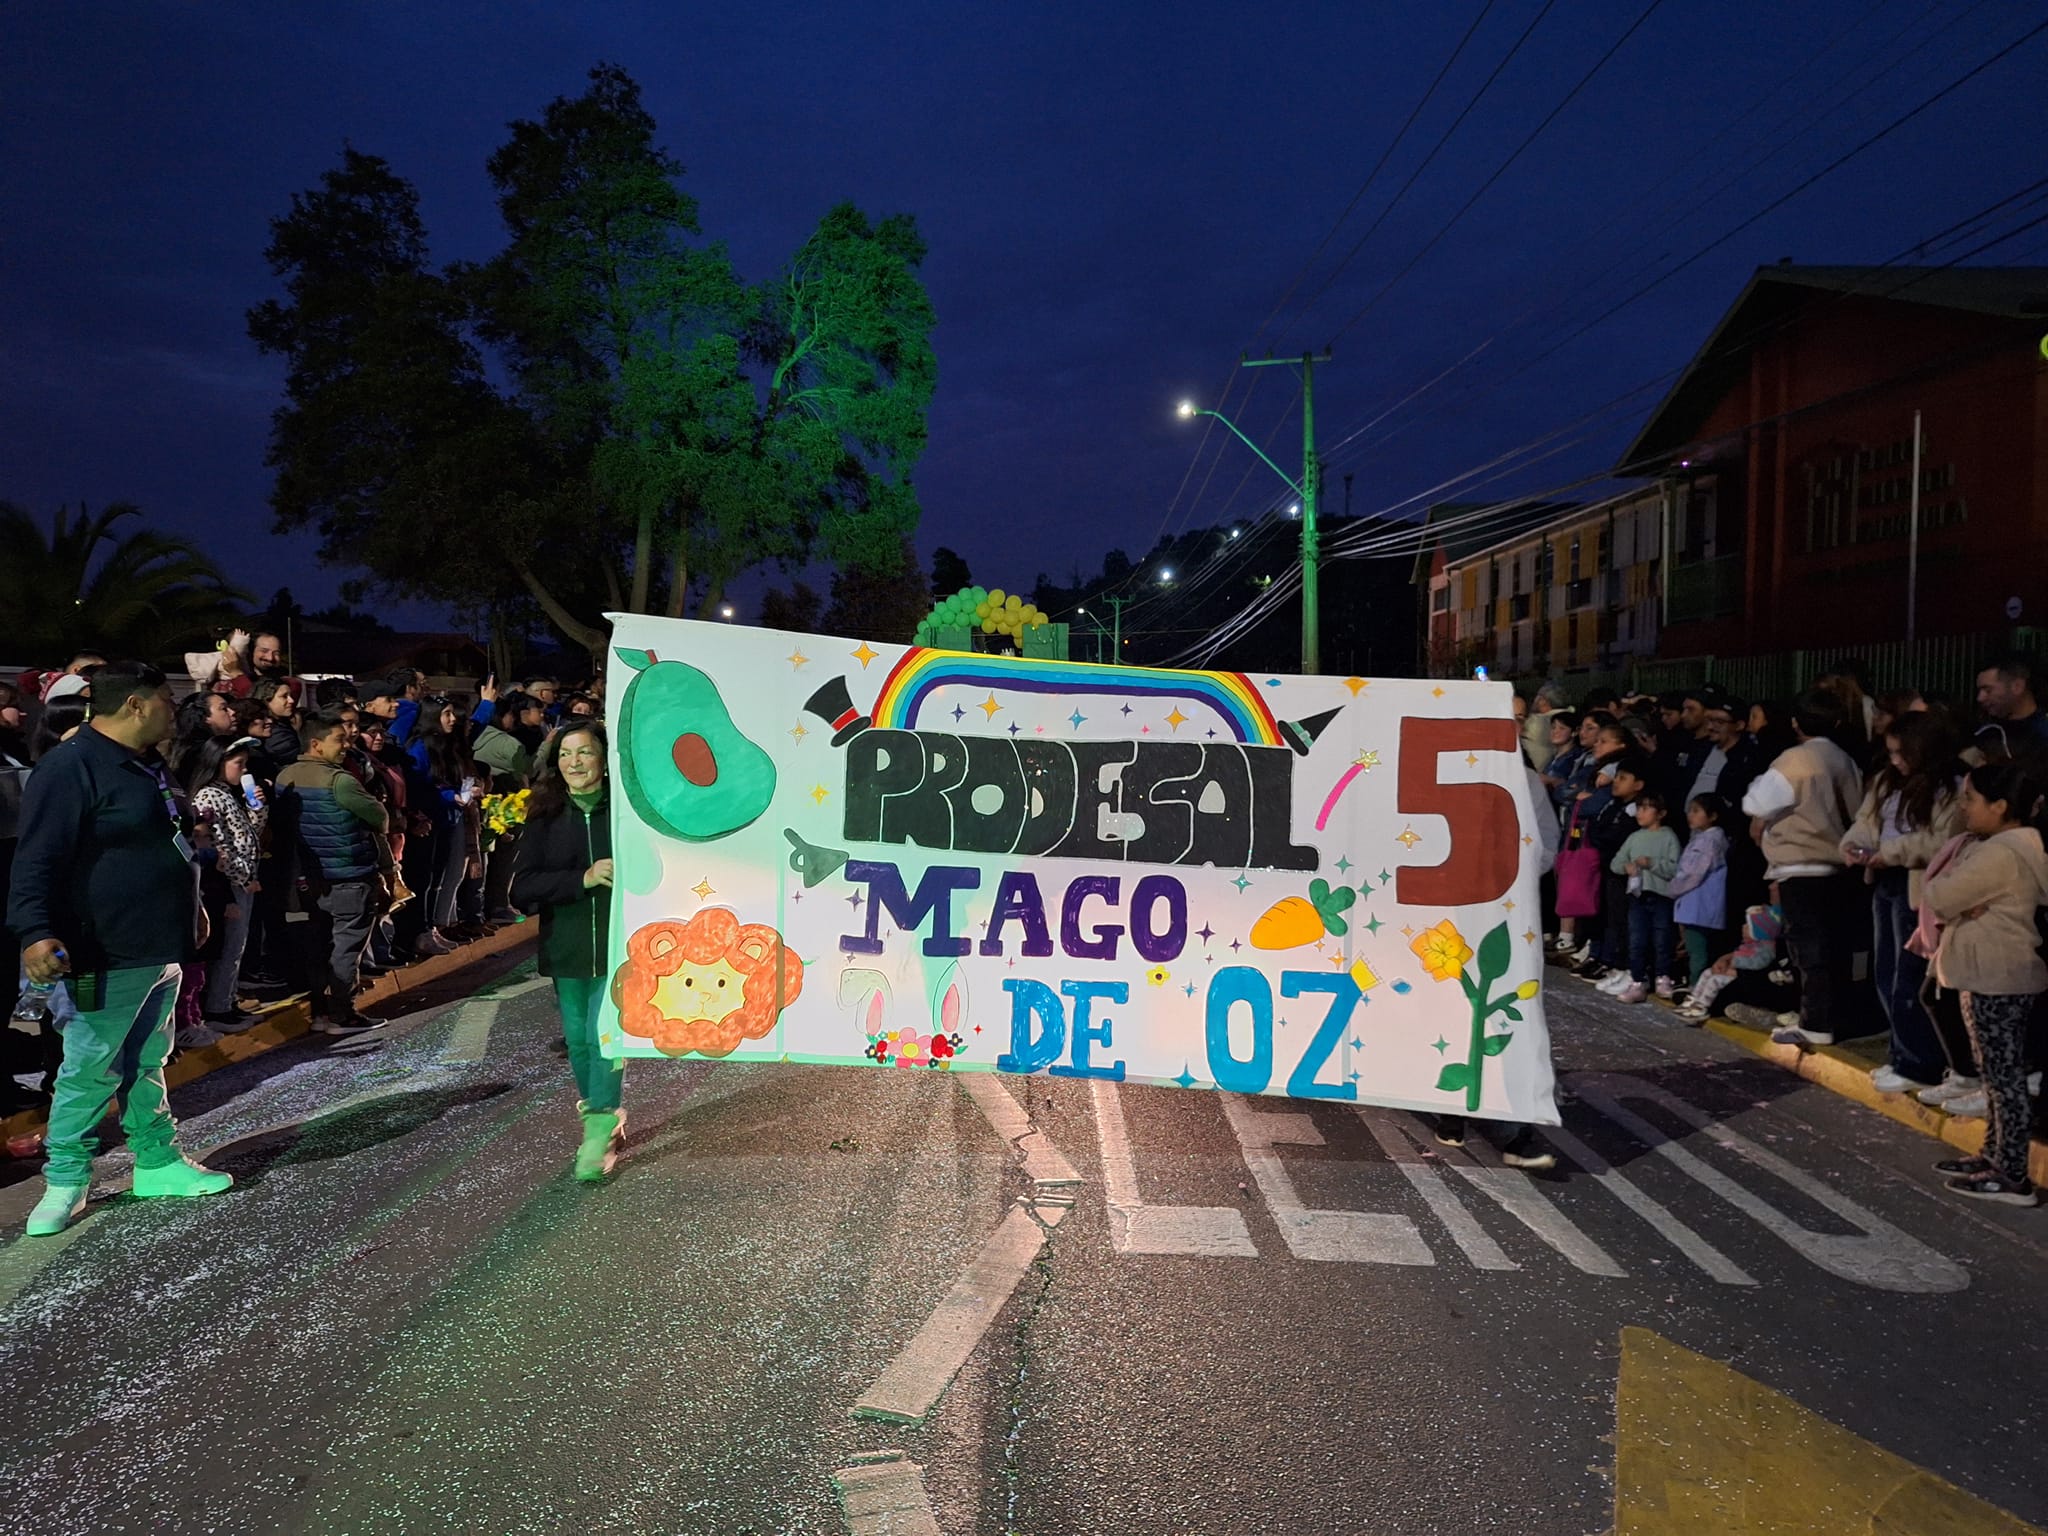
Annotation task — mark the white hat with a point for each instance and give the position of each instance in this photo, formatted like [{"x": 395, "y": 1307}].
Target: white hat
[{"x": 67, "y": 685}]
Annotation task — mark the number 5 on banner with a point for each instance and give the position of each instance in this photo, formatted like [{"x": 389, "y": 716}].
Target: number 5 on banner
[{"x": 1486, "y": 830}]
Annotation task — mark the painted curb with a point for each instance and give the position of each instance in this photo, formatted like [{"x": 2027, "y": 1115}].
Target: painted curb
[
  {"x": 1843, "y": 1075},
  {"x": 286, "y": 1021}
]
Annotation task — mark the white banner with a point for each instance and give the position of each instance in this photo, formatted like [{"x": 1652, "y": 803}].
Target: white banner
[{"x": 904, "y": 858}]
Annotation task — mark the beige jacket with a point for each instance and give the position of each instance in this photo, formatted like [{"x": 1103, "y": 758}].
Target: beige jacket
[
  {"x": 1807, "y": 798},
  {"x": 1912, "y": 851},
  {"x": 1996, "y": 950}
]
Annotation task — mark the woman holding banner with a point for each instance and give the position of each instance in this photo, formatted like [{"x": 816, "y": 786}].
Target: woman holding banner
[{"x": 563, "y": 873}]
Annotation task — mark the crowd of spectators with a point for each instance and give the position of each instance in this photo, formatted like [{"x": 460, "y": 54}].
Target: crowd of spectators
[
  {"x": 1838, "y": 866},
  {"x": 339, "y": 828}
]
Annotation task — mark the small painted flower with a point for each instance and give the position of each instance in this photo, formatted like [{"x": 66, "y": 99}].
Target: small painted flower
[
  {"x": 1442, "y": 951},
  {"x": 1528, "y": 989},
  {"x": 1158, "y": 976}
]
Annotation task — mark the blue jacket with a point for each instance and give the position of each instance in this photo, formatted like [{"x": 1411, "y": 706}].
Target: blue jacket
[
  {"x": 330, "y": 822},
  {"x": 1701, "y": 885}
]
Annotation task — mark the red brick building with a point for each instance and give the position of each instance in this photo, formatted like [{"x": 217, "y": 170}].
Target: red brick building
[{"x": 1787, "y": 448}]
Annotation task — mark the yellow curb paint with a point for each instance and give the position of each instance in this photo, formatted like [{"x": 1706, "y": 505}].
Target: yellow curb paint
[
  {"x": 1700, "y": 1447},
  {"x": 1851, "y": 1081}
]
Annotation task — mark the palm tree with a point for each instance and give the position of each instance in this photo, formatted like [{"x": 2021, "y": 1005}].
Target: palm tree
[{"x": 137, "y": 594}]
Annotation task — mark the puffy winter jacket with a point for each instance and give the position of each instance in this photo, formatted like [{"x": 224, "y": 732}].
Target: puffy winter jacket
[
  {"x": 329, "y": 822},
  {"x": 1985, "y": 898}
]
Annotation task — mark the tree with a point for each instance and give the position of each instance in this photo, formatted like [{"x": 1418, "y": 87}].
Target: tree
[
  {"x": 601, "y": 415},
  {"x": 949, "y": 573},
  {"x": 132, "y": 593},
  {"x": 796, "y": 610},
  {"x": 879, "y": 605}
]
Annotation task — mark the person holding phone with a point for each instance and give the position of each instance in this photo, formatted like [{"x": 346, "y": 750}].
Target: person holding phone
[{"x": 563, "y": 873}]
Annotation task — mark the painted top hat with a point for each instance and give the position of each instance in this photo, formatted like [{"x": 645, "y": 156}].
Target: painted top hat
[{"x": 833, "y": 704}]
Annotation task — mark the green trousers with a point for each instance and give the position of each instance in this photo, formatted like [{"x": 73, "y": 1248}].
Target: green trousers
[
  {"x": 597, "y": 1077},
  {"x": 115, "y": 1046}
]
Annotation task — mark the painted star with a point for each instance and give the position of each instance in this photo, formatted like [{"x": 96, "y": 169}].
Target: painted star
[
  {"x": 1272, "y": 682},
  {"x": 864, "y": 655},
  {"x": 1407, "y": 932},
  {"x": 1438, "y": 692},
  {"x": 1368, "y": 761},
  {"x": 989, "y": 706},
  {"x": 1038, "y": 728},
  {"x": 1351, "y": 1076},
  {"x": 799, "y": 732},
  {"x": 1015, "y": 728},
  {"x": 1385, "y": 877},
  {"x": 1354, "y": 684},
  {"x": 1442, "y": 1045},
  {"x": 959, "y": 714},
  {"x": 1189, "y": 989},
  {"x": 1241, "y": 883},
  {"x": 796, "y": 895},
  {"x": 702, "y": 890},
  {"x": 1144, "y": 730},
  {"x": 1357, "y": 1044},
  {"x": 1127, "y": 709},
  {"x": 1529, "y": 937},
  {"x": 1336, "y": 960},
  {"x": 1373, "y": 926},
  {"x": 819, "y": 793},
  {"x": 1409, "y": 838},
  {"x": 1235, "y": 946},
  {"x": 854, "y": 901},
  {"x": 1205, "y": 933},
  {"x": 1176, "y": 719},
  {"x": 1343, "y": 866},
  {"x": 1212, "y": 735},
  {"x": 1528, "y": 841},
  {"x": 798, "y": 659},
  {"x": 1508, "y": 905},
  {"x": 1076, "y": 718},
  {"x": 1471, "y": 759},
  {"x": 1186, "y": 1078}
]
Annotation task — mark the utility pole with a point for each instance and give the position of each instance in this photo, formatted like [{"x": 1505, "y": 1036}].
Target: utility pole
[
  {"x": 1311, "y": 474},
  {"x": 1116, "y": 639},
  {"x": 1913, "y": 532}
]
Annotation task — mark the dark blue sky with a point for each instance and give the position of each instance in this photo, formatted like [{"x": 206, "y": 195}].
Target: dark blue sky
[{"x": 1114, "y": 196}]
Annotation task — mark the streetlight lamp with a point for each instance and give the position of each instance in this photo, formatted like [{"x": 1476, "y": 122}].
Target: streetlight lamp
[
  {"x": 1305, "y": 488},
  {"x": 725, "y": 612}
]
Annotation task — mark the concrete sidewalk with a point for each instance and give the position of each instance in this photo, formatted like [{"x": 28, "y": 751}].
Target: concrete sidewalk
[{"x": 292, "y": 1017}]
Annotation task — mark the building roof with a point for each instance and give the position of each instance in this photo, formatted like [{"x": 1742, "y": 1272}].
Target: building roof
[
  {"x": 1775, "y": 293},
  {"x": 1466, "y": 527},
  {"x": 1559, "y": 515}
]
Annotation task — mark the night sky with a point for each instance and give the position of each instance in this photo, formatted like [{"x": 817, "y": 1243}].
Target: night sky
[{"x": 1115, "y": 198}]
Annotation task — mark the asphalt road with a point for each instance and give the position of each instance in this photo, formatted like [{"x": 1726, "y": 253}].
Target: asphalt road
[{"x": 408, "y": 1318}]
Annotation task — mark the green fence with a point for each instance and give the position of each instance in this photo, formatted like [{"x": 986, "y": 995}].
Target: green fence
[{"x": 1946, "y": 664}]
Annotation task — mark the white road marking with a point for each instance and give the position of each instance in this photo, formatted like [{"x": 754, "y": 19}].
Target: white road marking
[
  {"x": 1515, "y": 1193},
  {"x": 1345, "y": 1237},
  {"x": 913, "y": 1381},
  {"x": 1471, "y": 1238},
  {"x": 1880, "y": 1256},
  {"x": 884, "y": 1496},
  {"x": 1669, "y": 1227},
  {"x": 1044, "y": 1164},
  {"x": 1210, "y": 1231}
]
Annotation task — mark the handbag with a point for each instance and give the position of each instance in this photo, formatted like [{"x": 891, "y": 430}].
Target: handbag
[{"x": 1578, "y": 874}]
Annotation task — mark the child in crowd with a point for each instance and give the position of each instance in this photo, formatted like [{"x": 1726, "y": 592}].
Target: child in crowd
[
  {"x": 1985, "y": 897},
  {"x": 1592, "y": 790},
  {"x": 1700, "y": 888},
  {"x": 1750, "y": 961},
  {"x": 1609, "y": 816},
  {"x": 1646, "y": 861}
]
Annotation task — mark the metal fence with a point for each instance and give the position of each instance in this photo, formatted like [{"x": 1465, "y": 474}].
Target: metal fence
[{"x": 1945, "y": 664}]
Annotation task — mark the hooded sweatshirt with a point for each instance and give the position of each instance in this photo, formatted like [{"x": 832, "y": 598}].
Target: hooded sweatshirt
[{"x": 1996, "y": 950}]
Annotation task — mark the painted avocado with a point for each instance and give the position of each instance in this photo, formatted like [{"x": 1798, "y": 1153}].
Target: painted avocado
[{"x": 687, "y": 768}]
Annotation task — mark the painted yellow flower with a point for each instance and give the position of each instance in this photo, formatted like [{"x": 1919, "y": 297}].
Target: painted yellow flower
[
  {"x": 1442, "y": 951},
  {"x": 1158, "y": 976},
  {"x": 1528, "y": 989}
]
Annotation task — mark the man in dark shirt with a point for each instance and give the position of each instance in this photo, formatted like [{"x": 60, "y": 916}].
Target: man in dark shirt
[{"x": 105, "y": 898}]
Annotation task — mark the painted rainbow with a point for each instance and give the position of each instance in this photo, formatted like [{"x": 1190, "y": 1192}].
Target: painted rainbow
[{"x": 1230, "y": 695}]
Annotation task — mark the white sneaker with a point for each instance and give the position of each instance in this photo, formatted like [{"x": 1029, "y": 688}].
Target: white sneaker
[
  {"x": 1791, "y": 1031},
  {"x": 1666, "y": 987},
  {"x": 1634, "y": 992},
  {"x": 1583, "y": 953},
  {"x": 1888, "y": 1079},
  {"x": 1616, "y": 984},
  {"x": 197, "y": 1037},
  {"x": 58, "y": 1208},
  {"x": 1971, "y": 1106},
  {"x": 431, "y": 943},
  {"x": 1952, "y": 1086},
  {"x": 1562, "y": 944}
]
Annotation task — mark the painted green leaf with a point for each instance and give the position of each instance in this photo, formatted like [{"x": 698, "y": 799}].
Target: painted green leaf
[
  {"x": 1512, "y": 1012},
  {"x": 1319, "y": 891},
  {"x": 1339, "y": 900},
  {"x": 1494, "y": 953},
  {"x": 1495, "y": 1044},
  {"x": 1334, "y": 924},
  {"x": 1456, "y": 1077},
  {"x": 638, "y": 660}
]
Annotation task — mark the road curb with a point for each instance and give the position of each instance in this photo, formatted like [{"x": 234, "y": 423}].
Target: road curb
[
  {"x": 1839, "y": 1073},
  {"x": 286, "y": 1021}
]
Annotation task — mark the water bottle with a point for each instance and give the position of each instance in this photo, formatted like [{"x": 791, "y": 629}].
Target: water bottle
[
  {"x": 252, "y": 794},
  {"x": 33, "y": 1006}
]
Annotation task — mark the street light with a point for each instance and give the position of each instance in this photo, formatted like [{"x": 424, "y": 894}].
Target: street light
[
  {"x": 725, "y": 612},
  {"x": 1166, "y": 576},
  {"x": 1305, "y": 488}
]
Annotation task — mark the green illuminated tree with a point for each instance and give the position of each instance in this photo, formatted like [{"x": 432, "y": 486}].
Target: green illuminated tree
[{"x": 660, "y": 428}]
